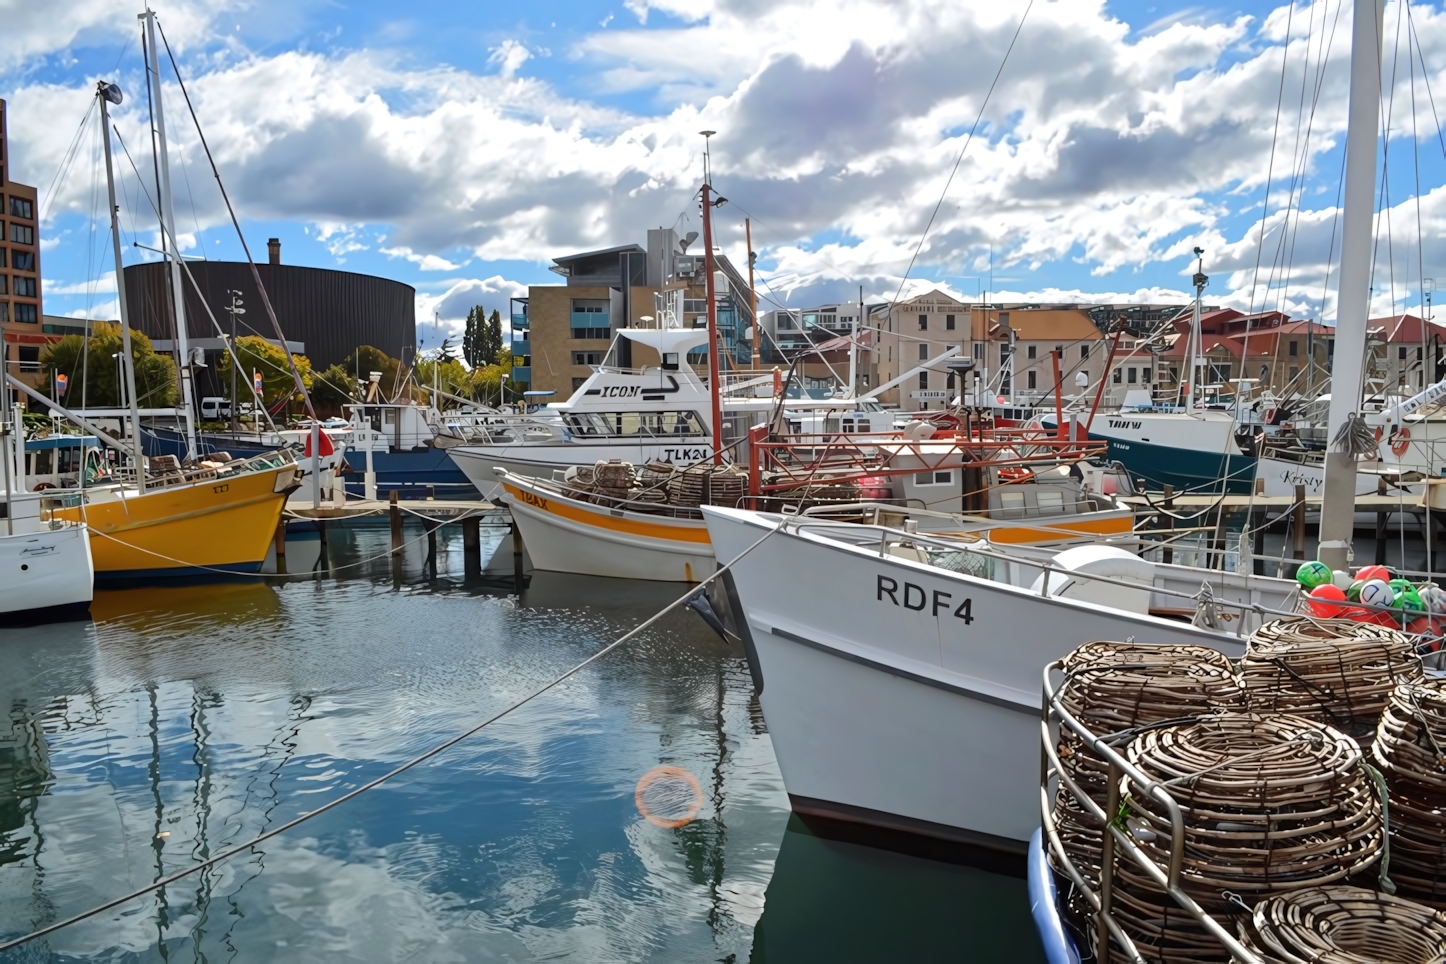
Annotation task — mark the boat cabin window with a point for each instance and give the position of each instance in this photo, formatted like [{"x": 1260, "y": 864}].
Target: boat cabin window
[
  {"x": 1050, "y": 499},
  {"x": 933, "y": 478},
  {"x": 610, "y": 424}
]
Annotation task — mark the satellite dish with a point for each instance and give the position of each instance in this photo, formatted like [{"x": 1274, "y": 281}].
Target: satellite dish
[
  {"x": 688, "y": 239},
  {"x": 1081, "y": 379}
]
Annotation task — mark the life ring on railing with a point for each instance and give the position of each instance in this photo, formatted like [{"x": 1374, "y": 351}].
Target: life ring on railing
[
  {"x": 1400, "y": 441},
  {"x": 43, "y": 486}
]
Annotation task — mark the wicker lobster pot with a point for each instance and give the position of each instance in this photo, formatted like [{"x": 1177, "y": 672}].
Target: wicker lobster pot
[
  {"x": 1344, "y": 925},
  {"x": 1334, "y": 671},
  {"x": 613, "y": 479},
  {"x": 578, "y": 482},
  {"x": 1270, "y": 804},
  {"x": 1112, "y": 688},
  {"x": 727, "y": 487},
  {"x": 1410, "y": 750},
  {"x": 689, "y": 487}
]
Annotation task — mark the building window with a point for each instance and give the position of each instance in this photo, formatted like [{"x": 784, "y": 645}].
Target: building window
[
  {"x": 1331, "y": 348},
  {"x": 597, "y": 334},
  {"x": 4, "y": 312},
  {"x": 1265, "y": 374},
  {"x": 923, "y": 379},
  {"x": 923, "y": 322},
  {"x": 1294, "y": 372},
  {"x": 1031, "y": 378},
  {"x": 979, "y": 350},
  {"x": 1418, "y": 352},
  {"x": 949, "y": 322},
  {"x": 1401, "y": 353},
  {"x": 29, "y": 357},
  {"x": 1117, "y": 377},
  {"x": 1030, "y": 352},
  {"x": 20, "y": 208},
  {"x": 1294, "y": 348},
  {"x": 1145, "y": 377},
  {"x": 587, "y": 358},
  {"x": 3, "y": 281},
  {"x": 21, "y": 260},
  {"x": 1084, "y": 351},
  {"x": 949, "y": 380},
  {"x": 923, "y": 353},
  {"x": 2, "y": 256},
  {"x": 22, "y": 233},
  {"x": 1219, "y": 374},
  {"x": 1130, "y": 375},
  {"x": 26, "y": 313},
  {"x": 1175, "y": 375},
  {"x": 934, "y": 478},
  {"x": 1004, "y": 319},
  {"x": 25, "y": 287}
]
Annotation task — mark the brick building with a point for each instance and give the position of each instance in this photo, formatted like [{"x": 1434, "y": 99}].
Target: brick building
[{"x": 20, "y": 305}]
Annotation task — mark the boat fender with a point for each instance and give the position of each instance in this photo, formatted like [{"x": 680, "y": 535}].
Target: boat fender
[
  {"x": 1044, "y": 906},
  {"x": 1109, "y": 561},
  {"x": 1400, "y": 441}
]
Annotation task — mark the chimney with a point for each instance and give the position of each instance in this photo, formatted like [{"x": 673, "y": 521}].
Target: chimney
[{"x": 273, "y": 249}]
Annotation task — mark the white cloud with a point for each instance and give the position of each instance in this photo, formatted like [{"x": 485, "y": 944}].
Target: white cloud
[
  {"x": 838, "y": 118},
  {"x": 509, "y": 56}
]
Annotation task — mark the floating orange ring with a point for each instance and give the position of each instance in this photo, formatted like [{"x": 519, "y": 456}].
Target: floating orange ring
[
  {"x": 695, "y": 804},
  {"x": 1400, "y": 441}
]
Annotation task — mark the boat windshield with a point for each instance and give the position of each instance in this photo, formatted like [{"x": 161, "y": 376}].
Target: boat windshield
[{"x": 599, "y": 424}]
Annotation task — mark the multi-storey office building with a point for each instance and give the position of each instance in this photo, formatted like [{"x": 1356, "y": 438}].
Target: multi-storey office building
[{"x": 20, "y": 302}]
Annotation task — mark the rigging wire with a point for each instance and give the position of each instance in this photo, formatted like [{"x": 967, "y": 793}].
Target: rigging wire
[
  {"x": 958, "y": 160},
  {"x": 66, "y": 160},
  {"x": 403, "y": 768}
]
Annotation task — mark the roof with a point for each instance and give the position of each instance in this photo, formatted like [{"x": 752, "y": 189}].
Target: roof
[
  {"x": 1048, "y": 324},
  {"x": 620, "y": 249},
  {"x": 1406, "y": 328}
]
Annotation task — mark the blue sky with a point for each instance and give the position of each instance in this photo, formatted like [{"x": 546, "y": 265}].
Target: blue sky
[{"x": 459, "y": 148}]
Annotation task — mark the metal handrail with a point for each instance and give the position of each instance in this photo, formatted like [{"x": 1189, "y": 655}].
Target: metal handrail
[
  {"x": 1052, "y": 711},
  {"x": 798, "y": 523}
]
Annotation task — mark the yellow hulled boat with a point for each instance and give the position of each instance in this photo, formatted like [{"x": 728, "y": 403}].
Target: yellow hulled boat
[{"x": 187, "y": 522}]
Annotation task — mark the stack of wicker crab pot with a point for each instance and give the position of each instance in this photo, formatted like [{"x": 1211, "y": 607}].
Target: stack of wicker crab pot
[
  {"x": 1114, "y": 689},
  {"x": 1270, "y": 804},
  {"x": 1335, "y": 671},
  {"x": 1410, "y": 750},
  {"x": 1343, "y": 925}
]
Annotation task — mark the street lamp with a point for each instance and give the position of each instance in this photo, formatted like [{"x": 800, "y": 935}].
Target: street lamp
[{"x": 120, "y": 379}]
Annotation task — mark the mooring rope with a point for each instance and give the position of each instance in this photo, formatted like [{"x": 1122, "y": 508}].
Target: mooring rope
[{"x": 261, "y": 838}]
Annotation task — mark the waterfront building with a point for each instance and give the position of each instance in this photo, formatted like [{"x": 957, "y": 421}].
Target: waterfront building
[
  {"x": 566, "y": 329},
  {"x": 821, "y": 335},
  {"x": 325, "y": 314},
  {"x": 20, "y": 288}
]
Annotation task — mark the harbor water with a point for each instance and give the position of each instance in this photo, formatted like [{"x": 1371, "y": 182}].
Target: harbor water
[{"x": 183, "y": 720}]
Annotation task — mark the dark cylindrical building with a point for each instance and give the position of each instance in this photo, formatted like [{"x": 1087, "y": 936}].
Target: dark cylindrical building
[{"x": 324, "y": 314}]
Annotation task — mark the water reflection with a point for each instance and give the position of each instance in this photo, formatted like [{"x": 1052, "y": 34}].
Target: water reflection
[{"x": 189, "y": 718}]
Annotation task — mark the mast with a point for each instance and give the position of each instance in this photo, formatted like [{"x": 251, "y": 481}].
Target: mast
[
  {"x": 168, "y": 241},
  {"x": 715, "y": 370},
  {"x": 753, "y": 296},
  {"x": 1353, "y": 294},
  {"x": 854, "y": 347},
  {"x": 111, "y": 94},
  {"x": 1196, "y": 361}
]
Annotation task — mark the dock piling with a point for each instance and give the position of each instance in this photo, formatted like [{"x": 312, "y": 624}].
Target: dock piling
[
  {"x": 516, "y": 557},
  {"x": 396, "y": 514},
  {"x": 1381, "y": 518},
  {"x": 1168, "y": 556},
  {"x": 472, "y": 545},
  {"x": 281, "y": 546},
  {"x": 432, "y": 528}
]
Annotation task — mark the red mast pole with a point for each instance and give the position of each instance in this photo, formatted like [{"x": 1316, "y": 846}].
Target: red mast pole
[{"x": 714, "y": 368}]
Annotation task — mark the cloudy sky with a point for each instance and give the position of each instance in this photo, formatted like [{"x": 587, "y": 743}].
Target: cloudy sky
[{"x": 461, "y": 147}]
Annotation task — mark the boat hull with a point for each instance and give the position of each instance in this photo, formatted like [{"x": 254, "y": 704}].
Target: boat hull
[
  {"x": 47, "y": 575},
  {"x": 540, "y": 460},
  {"x": 409, "y": 474},
  {"x": 568, "y": 535},
  {"x": 222, "y": 525},
  {"x": 919, "y": 715}
]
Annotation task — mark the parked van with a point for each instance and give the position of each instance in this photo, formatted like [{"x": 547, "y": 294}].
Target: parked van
[{"x": 214, "y": 408}]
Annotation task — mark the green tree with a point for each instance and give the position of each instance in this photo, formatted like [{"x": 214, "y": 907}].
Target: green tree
[
  {"x": 493, "y": 349},
  {"x": 451, "y": 377},
  {"x": 334, "y": 387},
  {"x": 474, "y": 336},
  {"x": 485, "y": 383},
  {"x": 259, "y": 355},
  {"x": 93, "y": 376}
]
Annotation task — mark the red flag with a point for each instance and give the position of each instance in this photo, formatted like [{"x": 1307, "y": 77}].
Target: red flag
[{"x": 326, "y": 447}]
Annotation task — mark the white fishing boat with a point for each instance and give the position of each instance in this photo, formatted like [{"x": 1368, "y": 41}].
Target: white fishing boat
[
  {"x": 656, "y": 412},
  {"x": 567, "y": 529},
  {"x": 905, "y": 696},
  {"x": 46, "y": 570}
]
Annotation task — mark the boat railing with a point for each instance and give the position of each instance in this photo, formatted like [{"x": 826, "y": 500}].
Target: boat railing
[
  {"x": 206, "y": 471},
  {"x": 991, "y": 517},
  {"x": 889, "y": 537},
  {"x": 1055, "y": 720}
]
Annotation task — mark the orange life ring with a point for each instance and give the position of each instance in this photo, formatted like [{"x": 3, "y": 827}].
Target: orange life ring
[
  {"x": 41, "y": 487},
  {"x": 1400, "y": 441}
]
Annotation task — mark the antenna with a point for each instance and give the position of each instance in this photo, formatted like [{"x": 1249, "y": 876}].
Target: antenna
[{"x": 707, "y": 157}]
